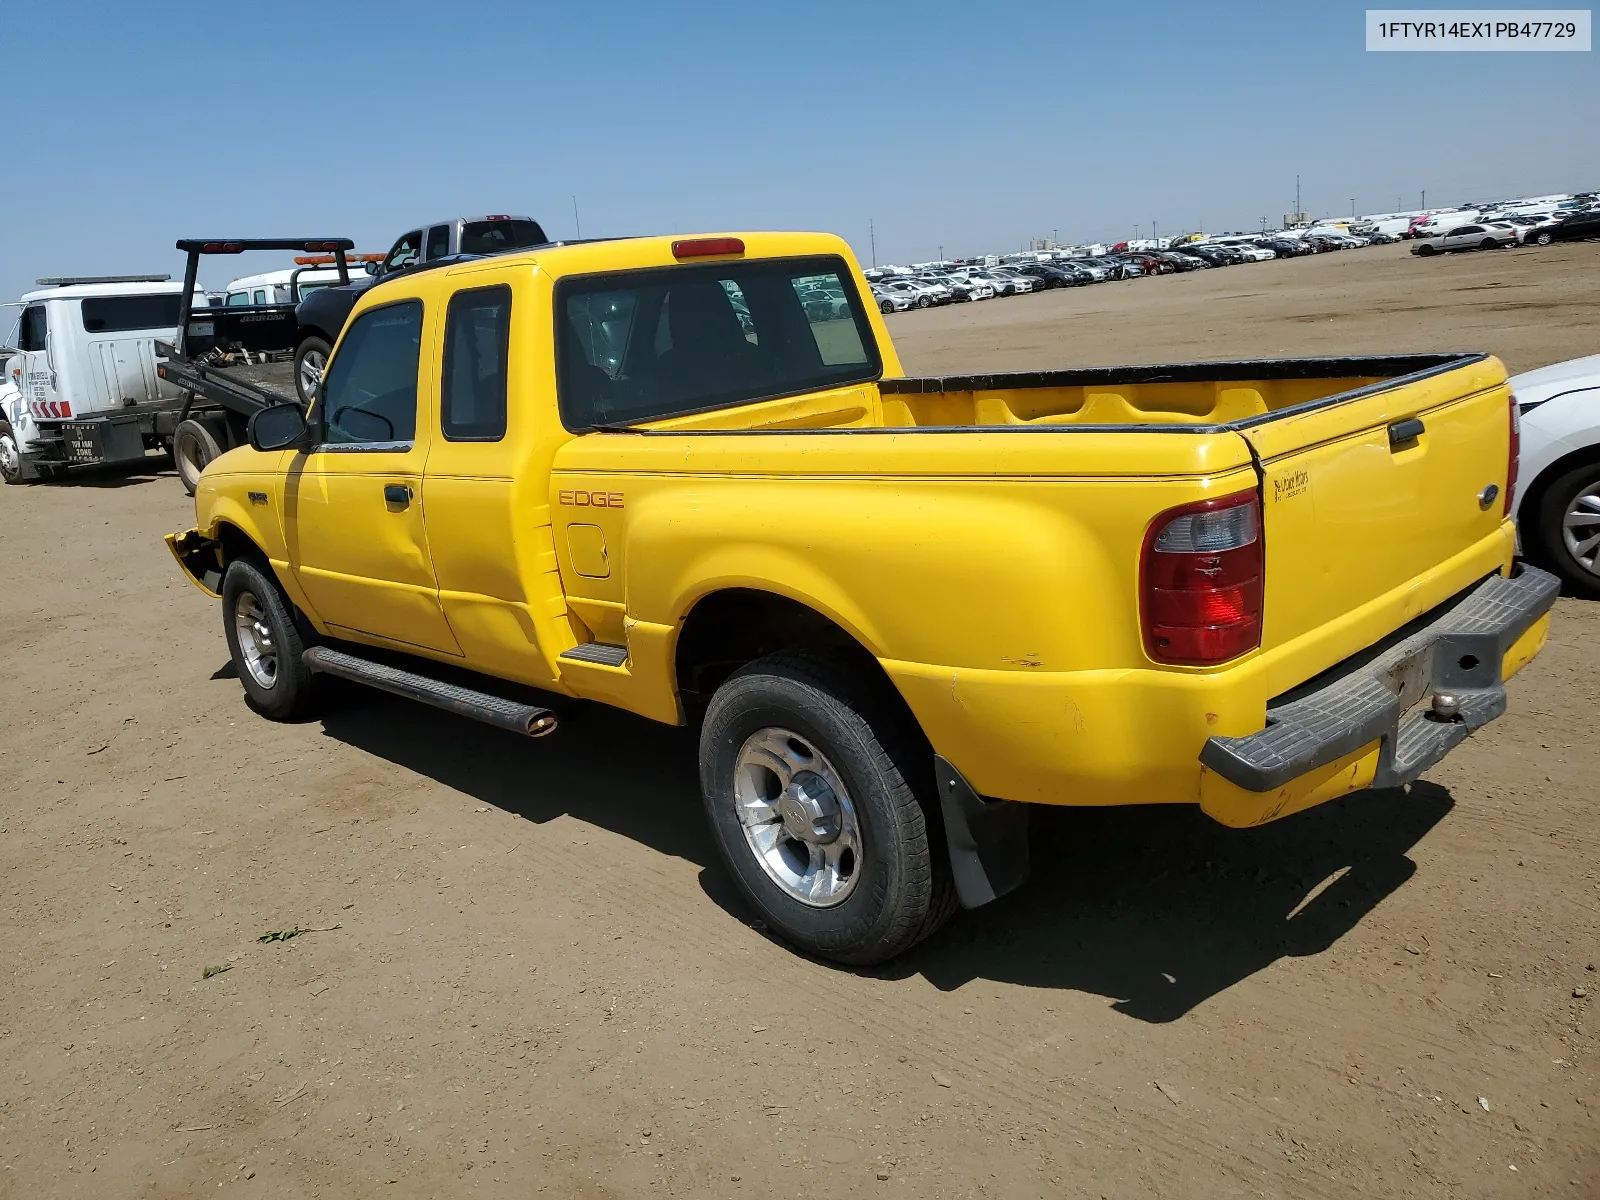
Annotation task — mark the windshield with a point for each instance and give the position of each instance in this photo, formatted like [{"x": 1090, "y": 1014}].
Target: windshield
[{"x": 641, "y": 345}]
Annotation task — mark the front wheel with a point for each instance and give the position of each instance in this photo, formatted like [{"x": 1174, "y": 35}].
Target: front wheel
[
  {"x": 924, "y": 302},
  {"x": 1566, "y": 529},
  {"x": 1424, "y": 251},
  {"x": 310, "y": 361},
  {"x": 264, "y": 642},
  {"x": 1542, "y": 238},
  {"x": 886, "y": 307},
  {"x": 807, "y": 776},
  {"x": 11, "y": 465}
]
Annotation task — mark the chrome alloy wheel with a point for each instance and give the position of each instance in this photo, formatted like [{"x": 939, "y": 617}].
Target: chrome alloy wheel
[
  {"x": 797, "y": 817},
  {"x": 255, "y": 639},
  {"x": 312, "y": 365},
  {"x": 1580, "y": 528}
]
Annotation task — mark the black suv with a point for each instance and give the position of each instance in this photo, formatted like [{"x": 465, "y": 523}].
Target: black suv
[{"x": 322, "y": 314}]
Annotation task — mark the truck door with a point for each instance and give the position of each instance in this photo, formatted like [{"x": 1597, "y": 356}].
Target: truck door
[
  {"x": 38, "y": 379},
  {"x": 353, "y": 505}
]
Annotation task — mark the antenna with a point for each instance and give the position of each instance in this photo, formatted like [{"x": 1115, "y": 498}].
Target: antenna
[
  {"x": 575, "y": 220},
  {"x": 872, "y": 237}
]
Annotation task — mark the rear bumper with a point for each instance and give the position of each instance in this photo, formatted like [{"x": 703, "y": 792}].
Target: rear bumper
[
  {"x": 1466, "y": 653},
  {"x": 90, "y": 441}
]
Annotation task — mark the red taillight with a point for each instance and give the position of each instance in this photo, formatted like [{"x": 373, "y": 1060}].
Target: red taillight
[
  {"x": 1201, "y": 581},
  {"x": 223, "y": 248},
  {"x": 705, "y": 247},
  {"x": 1513, "y": 454}
]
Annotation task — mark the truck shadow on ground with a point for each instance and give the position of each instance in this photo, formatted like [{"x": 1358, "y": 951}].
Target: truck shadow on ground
[{"x": 1157, "y": 908}]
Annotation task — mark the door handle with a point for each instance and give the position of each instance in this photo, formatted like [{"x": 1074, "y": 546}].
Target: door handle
[
  {"x": 397, "y": 493},
  {"x": 1405, "y": 433}
]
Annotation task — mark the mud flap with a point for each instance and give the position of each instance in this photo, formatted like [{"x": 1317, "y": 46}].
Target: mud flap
[{"x": 988, "y": 839}]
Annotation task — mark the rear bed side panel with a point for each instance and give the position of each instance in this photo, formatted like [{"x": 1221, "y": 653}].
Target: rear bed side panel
[{"x": 1025, "y": 567}]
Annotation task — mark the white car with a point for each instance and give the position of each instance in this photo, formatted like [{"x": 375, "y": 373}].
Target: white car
[
  {"x": 1466, "y": 237},
  {"x": 1253, "y": 252},
  {"x": 1557, "y": 497},
  {"x": 1019, "y": 282},
  {"x": 920, "y": 294},
  {"x": 889, "y": 301}
]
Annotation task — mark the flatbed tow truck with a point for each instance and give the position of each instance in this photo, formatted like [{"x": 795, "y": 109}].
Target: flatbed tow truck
[{"x": 231, "y": 362}]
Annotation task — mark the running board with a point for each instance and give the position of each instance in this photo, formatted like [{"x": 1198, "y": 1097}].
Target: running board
[
  {"x": 603, "y": 653},
  {"x": 526, "y": 719}
]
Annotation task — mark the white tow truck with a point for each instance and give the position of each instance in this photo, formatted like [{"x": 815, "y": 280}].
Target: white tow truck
[{"x": 79, "y": 368}]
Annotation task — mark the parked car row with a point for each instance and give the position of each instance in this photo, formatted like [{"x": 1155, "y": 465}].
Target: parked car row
[
  {"x": 1494, "y": 232},
  {"x": 898, "y": 289}
]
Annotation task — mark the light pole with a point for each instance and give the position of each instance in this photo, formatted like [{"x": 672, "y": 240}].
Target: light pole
[
  {"x": 1424, "y": 197},
  {"x": 872, "y": 237},
  {"x": 1352, "y": 208},
  {"x": 941, "y": 253}
]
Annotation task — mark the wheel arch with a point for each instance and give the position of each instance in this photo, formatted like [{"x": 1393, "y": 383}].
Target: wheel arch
[
  {"x": 1528, "y": 501},
  {"x": 729, "y": 627}
]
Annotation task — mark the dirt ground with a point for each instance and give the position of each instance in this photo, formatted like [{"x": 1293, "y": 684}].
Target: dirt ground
[{"x": 527, "y": 974}]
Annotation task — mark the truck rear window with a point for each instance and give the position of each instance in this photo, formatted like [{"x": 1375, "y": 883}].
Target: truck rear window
[
  {"x": 640, "y": 345},
  {"x": 117, "y": 314},
  {"x": 495, "y": 237}
]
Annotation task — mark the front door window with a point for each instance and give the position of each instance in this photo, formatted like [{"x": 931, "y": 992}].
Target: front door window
[{"x": 370, "y": 390}]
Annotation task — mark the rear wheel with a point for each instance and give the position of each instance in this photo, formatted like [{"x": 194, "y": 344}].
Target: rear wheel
[
  {"x": 1566, "y": 529},
  {"x": 1488, "y": 244},
  {"x": 192, "y": 448},
  {"x": 11, "y": 465},
  {"x": 264, "y": 642},
  {"x": 809, "y": 782},
  {"x": 310, "y": 361}
]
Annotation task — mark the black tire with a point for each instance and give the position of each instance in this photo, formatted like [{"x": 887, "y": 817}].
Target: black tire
[
  {"x": 1542, "y": 238},
  {"x": 886, "y": 307},
  {"x": 1544, "y": 542},
  {"x": 1424, "y": 251},
  {"x": 1488, "y": 244},
  {"x": 924, "y": 302},
  {"x": 192, "y": 448},
  {"x": 307, "y": 356},
  {"x": 13, "y": 467},
  {"x": 902, "y": 889},
  {"x": 288, "y": 693}
]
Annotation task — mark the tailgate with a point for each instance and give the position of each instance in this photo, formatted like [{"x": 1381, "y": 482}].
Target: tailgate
[{"x": 1382, "y": 493}]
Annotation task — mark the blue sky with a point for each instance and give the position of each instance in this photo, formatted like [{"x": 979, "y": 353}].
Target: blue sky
[{"x": 970, "y": 126}]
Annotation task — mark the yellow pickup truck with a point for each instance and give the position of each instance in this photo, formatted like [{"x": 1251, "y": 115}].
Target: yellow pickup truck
[{"x": 688, "y": 477}]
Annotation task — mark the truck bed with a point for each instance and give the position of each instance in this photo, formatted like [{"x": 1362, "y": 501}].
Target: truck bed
[
  {"x": 1191, "y": 397},
  {"x": 240, "y": 389}
]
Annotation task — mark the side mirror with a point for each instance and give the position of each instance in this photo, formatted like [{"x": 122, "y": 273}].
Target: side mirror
[
  {"x": 278, "y": 427},
  {"x": 372, "y": 268}
]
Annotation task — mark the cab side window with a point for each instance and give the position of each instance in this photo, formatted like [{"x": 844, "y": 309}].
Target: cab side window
[
  {"x": 369, "y": 395},
  {"x": 438, "y": 242},
  {"x": 33, "y": 328},
  {"x": 472, "y": 397}
]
